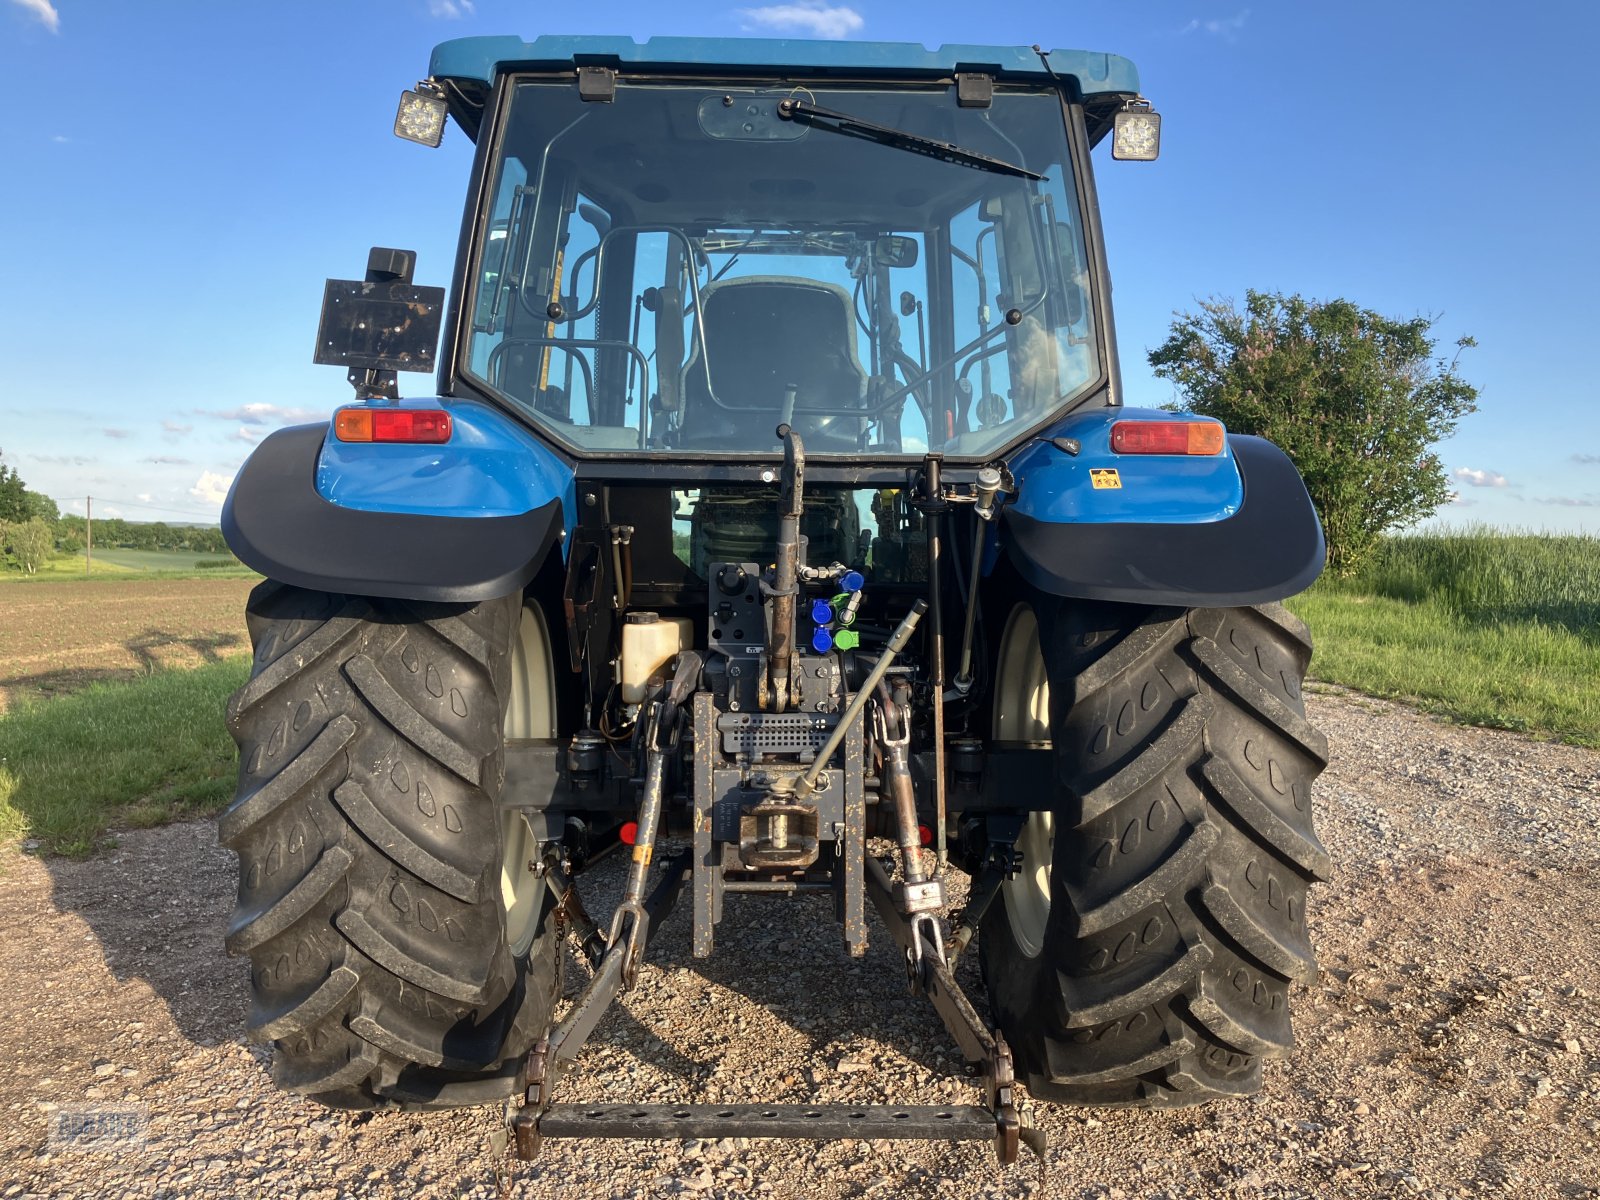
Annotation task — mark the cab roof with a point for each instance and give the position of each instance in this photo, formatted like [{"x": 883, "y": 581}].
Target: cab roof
[{"x": 472, "y": 64}]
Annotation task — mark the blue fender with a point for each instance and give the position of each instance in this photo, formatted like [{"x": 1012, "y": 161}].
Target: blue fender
[
  {"x": 1193, "y": 531},
  {"x": 467, "y": 520}
]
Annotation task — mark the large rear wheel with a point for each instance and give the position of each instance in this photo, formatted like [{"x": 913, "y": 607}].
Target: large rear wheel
[
  {"x": 402, "y": 949},
  {"x": 1145, "y": 951}
]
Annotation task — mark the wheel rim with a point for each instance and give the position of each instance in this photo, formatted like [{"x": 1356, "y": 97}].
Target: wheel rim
[
  {"x": 530, "y": 713},
  {"x": 1022, "y": 714}
]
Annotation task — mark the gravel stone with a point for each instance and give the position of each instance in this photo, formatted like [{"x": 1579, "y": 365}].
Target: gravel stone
[{"x": 1466, "y": 872}]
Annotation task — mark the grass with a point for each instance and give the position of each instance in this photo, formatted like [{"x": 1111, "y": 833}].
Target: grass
[
  {"x": 133, "y": 754},
  {"x": 1487, "y": 627}
]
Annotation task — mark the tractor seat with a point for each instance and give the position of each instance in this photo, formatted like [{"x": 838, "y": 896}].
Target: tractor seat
[{"x": 764, "y": 333}]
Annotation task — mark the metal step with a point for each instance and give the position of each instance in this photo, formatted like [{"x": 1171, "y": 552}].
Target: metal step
[{"x": 820, "y": 1121}]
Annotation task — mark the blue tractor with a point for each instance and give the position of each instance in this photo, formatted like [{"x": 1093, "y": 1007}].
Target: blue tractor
[{"x": 779, "y": 524}]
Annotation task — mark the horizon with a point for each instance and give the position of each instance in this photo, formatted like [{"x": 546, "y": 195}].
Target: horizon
[{"x": 189, "y": 251}]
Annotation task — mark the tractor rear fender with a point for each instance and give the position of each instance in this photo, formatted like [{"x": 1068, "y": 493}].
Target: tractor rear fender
[
  {"x": 467, "y": 520},
  {"x": 1219, "y": 530}
]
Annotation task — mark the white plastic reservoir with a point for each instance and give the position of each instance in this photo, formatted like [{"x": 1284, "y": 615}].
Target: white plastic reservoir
[{"x": 648, "y": 645}]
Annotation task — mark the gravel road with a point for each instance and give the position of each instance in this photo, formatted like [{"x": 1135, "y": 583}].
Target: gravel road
[{"x": 1451, "y": 1047}]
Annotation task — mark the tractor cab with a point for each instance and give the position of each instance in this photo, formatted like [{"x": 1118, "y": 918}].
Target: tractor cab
[{"x": 690, "y": 245}]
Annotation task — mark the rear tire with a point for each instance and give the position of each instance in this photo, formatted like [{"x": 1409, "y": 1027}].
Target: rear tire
[
  {"x": 374, "y": 885},
  {"x": 1144, "y": 953}
]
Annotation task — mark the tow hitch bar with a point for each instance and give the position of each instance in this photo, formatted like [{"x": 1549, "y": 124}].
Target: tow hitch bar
[
  {"x": 998, "y": 1120},
  {"x": 907, "y": 910}
]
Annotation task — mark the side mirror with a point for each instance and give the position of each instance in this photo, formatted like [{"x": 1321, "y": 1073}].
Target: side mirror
[{"x": 894, "y": 250}]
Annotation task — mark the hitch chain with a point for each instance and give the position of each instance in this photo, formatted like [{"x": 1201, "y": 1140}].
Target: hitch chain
[{"x": 1001, "y": 861}]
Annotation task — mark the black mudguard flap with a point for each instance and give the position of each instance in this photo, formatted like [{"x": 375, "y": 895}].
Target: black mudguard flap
[
  {"x": 277, "y": 523},
  {"x": 1271, "y": 548}
]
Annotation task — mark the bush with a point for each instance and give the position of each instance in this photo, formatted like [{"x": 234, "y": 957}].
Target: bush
[{"x": 1355, "y": 398}]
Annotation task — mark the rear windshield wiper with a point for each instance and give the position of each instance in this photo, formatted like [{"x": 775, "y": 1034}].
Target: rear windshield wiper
[{"x": 791, "y": 109}]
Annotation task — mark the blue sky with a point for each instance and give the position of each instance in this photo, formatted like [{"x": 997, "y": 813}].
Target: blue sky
[{"x": 180, "y": 177}]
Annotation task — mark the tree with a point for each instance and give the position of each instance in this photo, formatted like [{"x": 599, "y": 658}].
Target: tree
[
  {"x": 17, "y": 503},
  {"x": 1355, "y": 398},
  {"x": 13, "y": 494},
  {"x": 31, "y": 542},
  {"x": 36, "y": 504}
]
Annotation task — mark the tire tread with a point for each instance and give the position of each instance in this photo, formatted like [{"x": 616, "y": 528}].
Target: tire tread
[
  {"x": 1184, "y": 843},
  {"x": 379, "y": 964}
]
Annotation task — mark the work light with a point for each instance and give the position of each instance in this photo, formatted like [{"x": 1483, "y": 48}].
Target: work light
[
  {"x": 421, "y": 115},
  {"x": 1136, "y": 132}
]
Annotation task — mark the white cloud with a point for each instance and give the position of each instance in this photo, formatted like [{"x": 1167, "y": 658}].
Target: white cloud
[
  {"x": 1460, "y": 501},
  {"x": 814, "y": 17},
  {"x": 450, "y": 9},
  {"x": 118, "y": 434},
  {"x": 63, "y": 460},
  {"x": 1587, "y": 460},
  {"x": 257, "y": 414},
  {"x": 44, "y": 10},
  {"x": 177, "y": 427},
  {"x": 1473, "y": 477},
  {"x": 146, "y": 497},
  {"x": 211, "y": 488},
  {"x": 167, "y": 460},
  {"x": 1226, "y": 27},
  {"x": 249, "y": 433},
  {"x": 60, "y": 139},
  {"x": 1571, "y": 501}
]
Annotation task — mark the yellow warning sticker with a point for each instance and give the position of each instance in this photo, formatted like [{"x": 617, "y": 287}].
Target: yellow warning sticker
[
  {"x": 641, "y": 854},
  {"x": 1105, "y": 477}
]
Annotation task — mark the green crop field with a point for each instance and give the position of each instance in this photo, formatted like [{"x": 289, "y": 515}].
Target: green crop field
[
  {"x": 116, "y": 563},
  {"x": 1486, "y": 627},
  {"x": 168, "y": 560}
]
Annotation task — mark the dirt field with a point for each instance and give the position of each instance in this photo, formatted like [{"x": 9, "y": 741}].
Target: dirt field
[
  {"x": 1450, "y": 1049},
  {"x": 58, "y": 637}
]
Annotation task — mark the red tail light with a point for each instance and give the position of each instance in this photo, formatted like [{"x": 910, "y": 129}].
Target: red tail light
[
  {"x": 1167, "y": 437},
  {"x": 429, "y": 425},
  {"x": 629, "y": 833}
]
